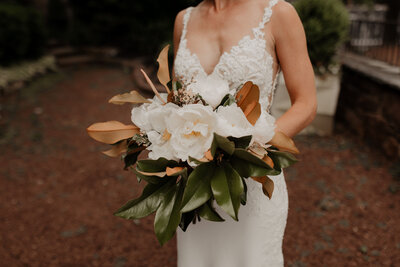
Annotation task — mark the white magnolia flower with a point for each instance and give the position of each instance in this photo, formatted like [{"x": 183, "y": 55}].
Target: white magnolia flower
[
  {"x": 191, "y": 130},
  {"x": 211, "y": 88},
  {"x": 160, "y": 146},
  {"x": 143, "y": 115},
  {"x": 264, "y": 129},
  {"x": 232, "y": 122}
]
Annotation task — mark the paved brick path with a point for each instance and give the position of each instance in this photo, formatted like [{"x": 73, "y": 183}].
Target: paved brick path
[{"x": 58, "y": 192}]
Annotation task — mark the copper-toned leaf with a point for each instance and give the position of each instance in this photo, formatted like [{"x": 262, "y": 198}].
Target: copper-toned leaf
[
  {"x": 283, "y": 143},
  {"x": 172, "y": 171},
  {"x": 132, "y": 97},
  {"x": 242, "y": 93},
  {"x": 152, "y": 86},
  {"x": 159, "y": 174},
  {"x": 208, "y": 155},
  {"x": 254, "y": 114},
  {"x": 116, "y": 150},
  {"x": 267, "y": 185},
  {"x": 163, "y": 68},
  {"x": 170, "y": 97},
  {"x": 111, "y": 132},
  {"x": 248, "y": 100},
  {"x": 268, "y": 160}
]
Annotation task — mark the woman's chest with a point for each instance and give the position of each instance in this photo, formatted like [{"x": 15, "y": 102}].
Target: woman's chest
[{"x": 244, "y": 61}]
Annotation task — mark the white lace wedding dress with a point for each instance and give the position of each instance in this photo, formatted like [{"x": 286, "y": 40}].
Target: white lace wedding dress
[{"x": 256, "y": 239}]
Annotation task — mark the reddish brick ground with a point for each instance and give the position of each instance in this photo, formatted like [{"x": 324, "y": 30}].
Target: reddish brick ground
[{"x": 58, "y": 192}]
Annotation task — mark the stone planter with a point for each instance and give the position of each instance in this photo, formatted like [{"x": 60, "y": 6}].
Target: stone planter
[{"x": 328, "y": 88}]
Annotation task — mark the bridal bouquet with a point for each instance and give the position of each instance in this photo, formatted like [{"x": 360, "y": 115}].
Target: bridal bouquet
[{"x": 204, "y": 141}]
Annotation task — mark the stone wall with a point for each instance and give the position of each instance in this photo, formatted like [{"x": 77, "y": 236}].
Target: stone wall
[{"x": 370, "y": 108}]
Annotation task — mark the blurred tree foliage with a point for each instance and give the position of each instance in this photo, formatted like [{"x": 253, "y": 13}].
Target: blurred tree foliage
[
  {"x": 326, "y": 25},
  {"x": 57, "y": 20},
  {"x": 136, "y": 27},
  {"x": 22, "y": 33}
]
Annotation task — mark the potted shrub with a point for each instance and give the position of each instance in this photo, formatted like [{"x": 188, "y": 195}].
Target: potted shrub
[{"x": 326, "y": 24}]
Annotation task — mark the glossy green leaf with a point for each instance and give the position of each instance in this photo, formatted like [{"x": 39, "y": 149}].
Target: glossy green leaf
[
  {"x": 186, "y": 219},
  {"x": 159, "y": 165},
  {"x": 227, "y": 188},
  {"x": 227, "y": 100},
  {"x": 146, "y": 204},
  {"x": 208, "y": 212},
  {"x": 223, "y": 143},
  {"x": 168, "y": 215},
  {"x": 196, "y": 161},
  {"x": 248, "y": 165},
  {"x": 281, "y": 159},
  {"x": 243, "y": 198},
  {"x": 149, "y": 178},
  {"x": 130, "y": 159},
  {"x": 242, "y": 142},
  {"x": 198, "y": 188}
]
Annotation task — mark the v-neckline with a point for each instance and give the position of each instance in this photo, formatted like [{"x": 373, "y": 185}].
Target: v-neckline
[
  {"x": 228, "y": 52},
  {"x": 225, "y": 53}
]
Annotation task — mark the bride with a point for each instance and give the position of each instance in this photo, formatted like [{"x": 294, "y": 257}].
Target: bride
[{"x": 239, "y": 41}]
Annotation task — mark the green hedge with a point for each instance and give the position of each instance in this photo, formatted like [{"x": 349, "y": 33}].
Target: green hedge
[
  {"x": 326, "y": 24},
  {"x": 22, "y": 34}
]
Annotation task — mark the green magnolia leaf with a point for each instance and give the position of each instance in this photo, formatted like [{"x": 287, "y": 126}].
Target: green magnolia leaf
[
  {"x": 281, "y": 159},
  {"x": 198, "y": 189},
  {"x": 159, "y": 165},
  {"x": 131, "y": 155},
  {"x": 130, "y": 159},
  {"x": 168, "y": 215},
  {"x": 242, "y": 142},
  {"x": 208, "y": 212},
  {"x": 227, "y": 188},
  {"x": 149, "y": 178},
  {"x": 186, "y": 219},
  {"x": 248, "y": 165},
  {"x": 227, "y": 100},
  {"x": 196, "y": 161},
  {"x": 223, "y": 143},
  {"x": 147, "y": 203},
  {"x": 243, "y": 197}
]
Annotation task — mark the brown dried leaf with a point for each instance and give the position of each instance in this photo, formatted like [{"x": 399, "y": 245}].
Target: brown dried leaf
[
  {"x": 152, "y": 86},
  {"x": 267, "y": 185},
  {"x": 111, "y": 132},
  {"x": 268, "y": 160},
  {"x": 283, "y": 143},
  {"x": 243, "y": 92},
  {"x": 132, "y": 97},
  {"x": 116, "y": 150},
  {"x": 163, "y": 68},
  {"x": 172, "y": 171},
  {"x": 208, "y": 155},
  {"x": 254, "y": 114},
  {"x": 159, "y": 174},
  {"x": 248, "y": 100}
]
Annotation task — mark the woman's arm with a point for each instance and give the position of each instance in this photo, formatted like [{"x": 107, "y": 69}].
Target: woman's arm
[{"x": 291, "y": 49}]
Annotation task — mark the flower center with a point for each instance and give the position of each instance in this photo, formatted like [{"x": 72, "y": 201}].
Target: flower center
[{"x": 166, "y": 135}]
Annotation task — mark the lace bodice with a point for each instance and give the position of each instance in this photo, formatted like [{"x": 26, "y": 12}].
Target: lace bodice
[{"x": 249, "y": 60}]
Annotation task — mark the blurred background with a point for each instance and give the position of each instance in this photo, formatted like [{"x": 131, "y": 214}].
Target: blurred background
[{"x": 60, "y": 62}]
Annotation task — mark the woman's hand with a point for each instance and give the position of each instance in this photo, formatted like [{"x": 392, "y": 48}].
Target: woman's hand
[{"x": 291, "y": 50}]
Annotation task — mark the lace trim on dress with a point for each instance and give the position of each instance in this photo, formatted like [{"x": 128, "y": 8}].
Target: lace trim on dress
[
  {"x": 248, "y": 60},
  {"x": 185, "y": 22}
]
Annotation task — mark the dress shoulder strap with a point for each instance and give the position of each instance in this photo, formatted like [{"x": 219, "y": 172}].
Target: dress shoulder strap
[
  {"x": 266, "y": 17},
  {"x": 185, "y": 22}
]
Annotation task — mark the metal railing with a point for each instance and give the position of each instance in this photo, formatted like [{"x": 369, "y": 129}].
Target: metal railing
[{"x": 375, "y": 39}]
